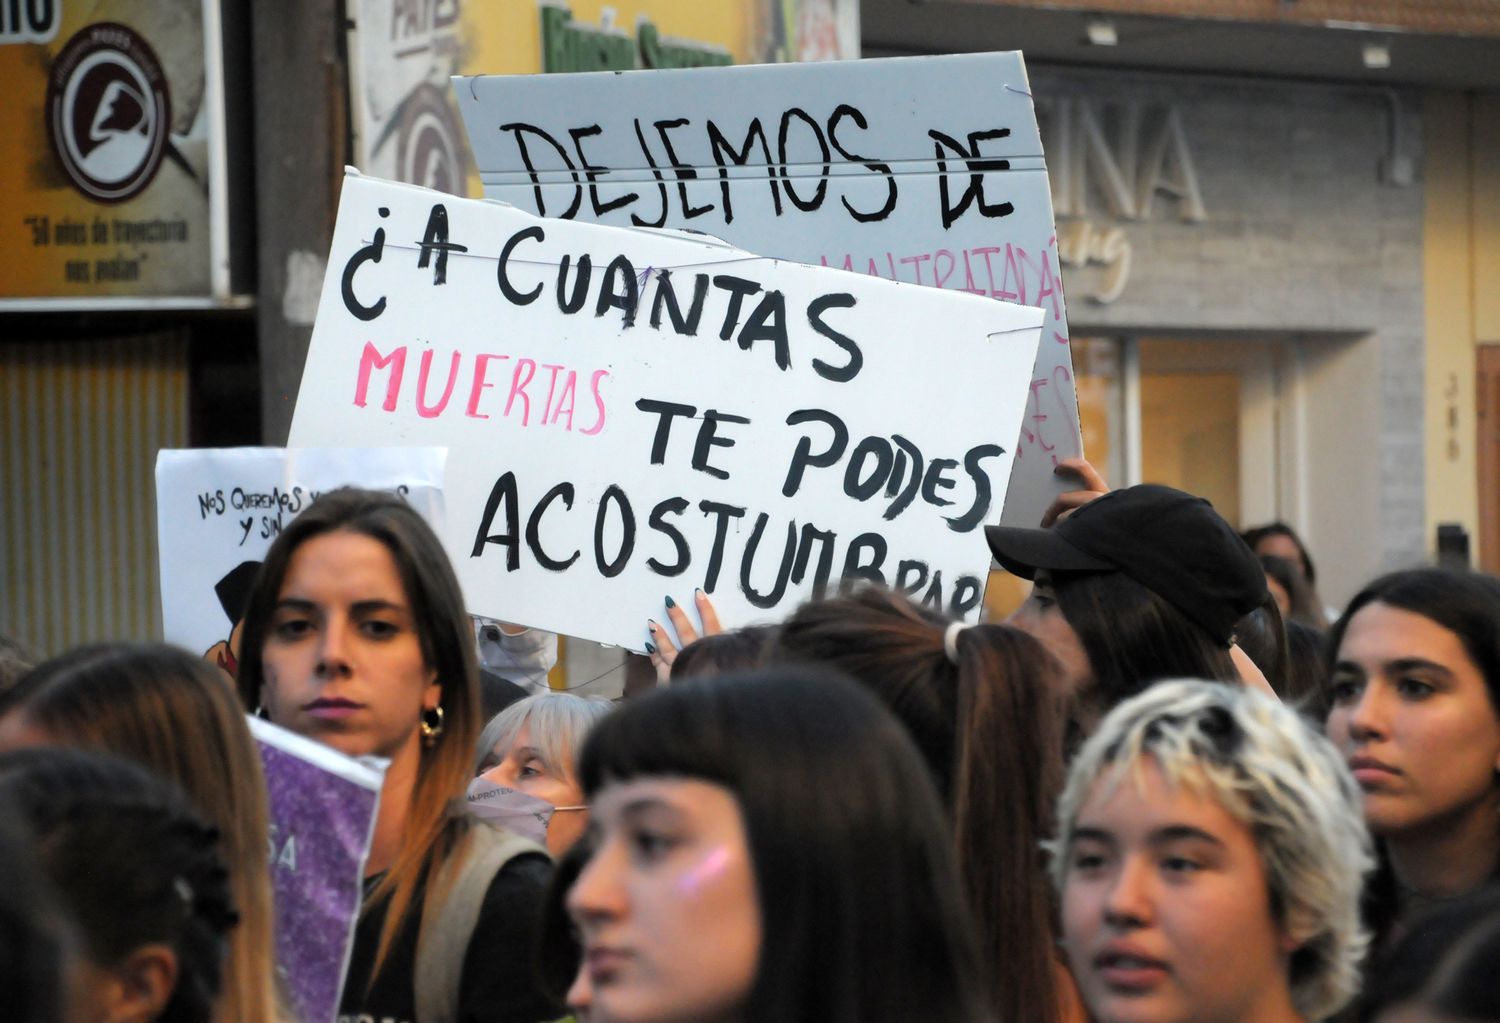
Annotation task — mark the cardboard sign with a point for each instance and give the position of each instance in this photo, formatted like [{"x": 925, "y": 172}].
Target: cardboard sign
[
  {"x": 927, "y": 170},
  {"x": 218, "y": 509},
  {"x": 630, "y": 413},
  {"x": 323, "y": 806}
]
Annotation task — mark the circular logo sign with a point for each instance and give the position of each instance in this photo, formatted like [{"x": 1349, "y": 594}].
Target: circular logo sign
[
  {"x": 108, "y": 112},
  {"x": 427, "y": 151}
]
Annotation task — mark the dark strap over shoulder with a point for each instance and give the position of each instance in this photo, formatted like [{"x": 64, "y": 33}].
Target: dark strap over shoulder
[{"x": 442, "y": 946}]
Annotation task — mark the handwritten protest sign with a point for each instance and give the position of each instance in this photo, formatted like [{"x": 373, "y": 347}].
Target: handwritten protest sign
[
  {"x": 634, "y": 412},
  {"x": 323, "y": 807},
  {"x": 218, "y": 509},
  {"x": 927, "y": 170}
]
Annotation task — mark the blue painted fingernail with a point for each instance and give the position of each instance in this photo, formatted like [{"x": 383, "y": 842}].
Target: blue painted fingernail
[
  {"x": 671, "y": 603},
  {"x": 650, "y": 648}
]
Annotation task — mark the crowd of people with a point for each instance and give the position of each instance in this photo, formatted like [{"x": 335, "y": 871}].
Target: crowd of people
[{"x": 1173, "y": 787}]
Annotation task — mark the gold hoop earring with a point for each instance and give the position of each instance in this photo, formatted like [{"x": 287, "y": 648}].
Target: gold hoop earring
[{"x": 432, "y": 729}]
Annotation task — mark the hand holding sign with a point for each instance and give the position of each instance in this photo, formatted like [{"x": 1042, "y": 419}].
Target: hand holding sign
[{"x": 663, "y": 649}]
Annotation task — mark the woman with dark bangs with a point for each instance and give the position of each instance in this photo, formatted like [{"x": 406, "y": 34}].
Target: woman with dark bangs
[{"x": 769, "y": 847}]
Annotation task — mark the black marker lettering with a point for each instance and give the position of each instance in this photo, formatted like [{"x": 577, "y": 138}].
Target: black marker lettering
[
  {"x": 855, "y": 567},
  {"x": 721, "y": 147},
  {"x": 614, "y": 495},
  {"x": 666, "y": 297},
  {"x": 504, "y": 489},
  {"x": 840, "y": 112},
  {"x": 593, "y": 173},
  {"x": 913, "y": 483},
  {"x": 747, "y": 560},
  {"x": 536, "y": 182},
  {"x": 626, "y": 301},
  {"x": 738, "y": 288},
  {"x": 977, "y": 167},
  {"x": 824, "y": 538},
  {"x": 981, "y": 506},
  {"x": 661, "y": 182},
  {"x": 802, "y": 457},
  {"x": 435, "y": 239},
  {"x": 684, "y": 171},
  {"x": 768, "y": 323},
  {"x": 815, "y": 309},
  {"x": 666, "y": 410},
  {"x": 725, "y": 512},
  {"x": 806, "y": 206},
  {"x": 534, "y": 528},
  {"x": 708, "y": 438},
  {"x": 658, "y": 522},
  {"x": 370, "y": 253},
  {"x": 506, "y": 288},
  {"x": 580, "y": 286}
]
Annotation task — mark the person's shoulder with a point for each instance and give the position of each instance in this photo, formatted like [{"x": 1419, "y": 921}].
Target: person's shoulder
[
  {"x": 525, "y": 875},
  {"x": 498, "y": 985}
]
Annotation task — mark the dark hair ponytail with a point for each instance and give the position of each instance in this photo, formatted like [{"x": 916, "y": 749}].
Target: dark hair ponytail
[
  {"x": 132, "y": 862},
  {"x": 983, "y": 705},
  {"x": 1008, "y": 768}
]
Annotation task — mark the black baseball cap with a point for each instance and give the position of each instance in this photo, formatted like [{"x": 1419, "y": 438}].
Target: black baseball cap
[{"x": 1172, "y": 543}]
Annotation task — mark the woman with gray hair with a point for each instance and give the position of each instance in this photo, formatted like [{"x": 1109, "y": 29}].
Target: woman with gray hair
[
  {"x": 531, "y": 748},
  {"x": 1210, "y": 854}
]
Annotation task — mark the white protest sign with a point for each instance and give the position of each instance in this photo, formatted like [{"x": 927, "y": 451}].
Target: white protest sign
[
  {"x": 218, "y": 509},
  {"x": 630, "y": 413},
  {"x": 927, "y": 170}
]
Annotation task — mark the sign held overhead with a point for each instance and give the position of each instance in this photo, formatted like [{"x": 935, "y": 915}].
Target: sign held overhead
[
  {"x": 926, "y": 170},
  {"x": 627, "y": 407}
]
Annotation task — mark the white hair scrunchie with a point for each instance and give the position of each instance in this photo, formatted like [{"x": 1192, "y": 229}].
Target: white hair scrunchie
[{"x": 950, "y": 640}]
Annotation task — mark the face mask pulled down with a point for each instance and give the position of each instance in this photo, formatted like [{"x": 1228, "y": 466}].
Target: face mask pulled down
[{"x": 522, "y": 813}]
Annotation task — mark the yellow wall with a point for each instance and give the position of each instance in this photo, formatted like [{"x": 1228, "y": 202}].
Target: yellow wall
[
  {"x": 1484, "y": 124},
  {"x": 1452, "y": 303}
]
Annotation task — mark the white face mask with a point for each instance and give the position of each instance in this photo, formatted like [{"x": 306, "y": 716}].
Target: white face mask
[{"x": 521, "y": 812}]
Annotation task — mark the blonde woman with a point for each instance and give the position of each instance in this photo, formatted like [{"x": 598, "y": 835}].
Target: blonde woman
[{"x": 1210, "y": 855}]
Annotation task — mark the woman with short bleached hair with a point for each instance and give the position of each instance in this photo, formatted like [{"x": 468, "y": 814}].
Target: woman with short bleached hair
[{"x": 1210, "y": 855}]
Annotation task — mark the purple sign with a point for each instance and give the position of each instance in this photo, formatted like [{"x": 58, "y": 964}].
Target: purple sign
[{"x": 323, "y": 807}]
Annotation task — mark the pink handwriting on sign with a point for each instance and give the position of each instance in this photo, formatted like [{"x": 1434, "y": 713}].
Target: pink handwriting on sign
[
  {"x": 1008, "y": 273},
  {"x": 1005, "y": 272},
  {"x": 1046, "y": 393},
  {"x": 559, "y": 406}
]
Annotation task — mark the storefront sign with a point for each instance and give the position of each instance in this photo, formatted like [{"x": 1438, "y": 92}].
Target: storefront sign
[
  {"x": 573, "y": 46},
  {"x": 1139, "y": 165},
  {"x": 403, "y": 53},
  {"x": 634, "y": 412},
  {"x": 922, "y": 170},
  {"x": 116, "y": 176}
]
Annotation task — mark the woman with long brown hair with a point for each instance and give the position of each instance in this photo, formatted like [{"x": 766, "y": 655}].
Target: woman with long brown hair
[
  {"x": 177, "y": 715},
  {"x": 982, "y": 703},
  {"x": 356, "y": 637}
]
